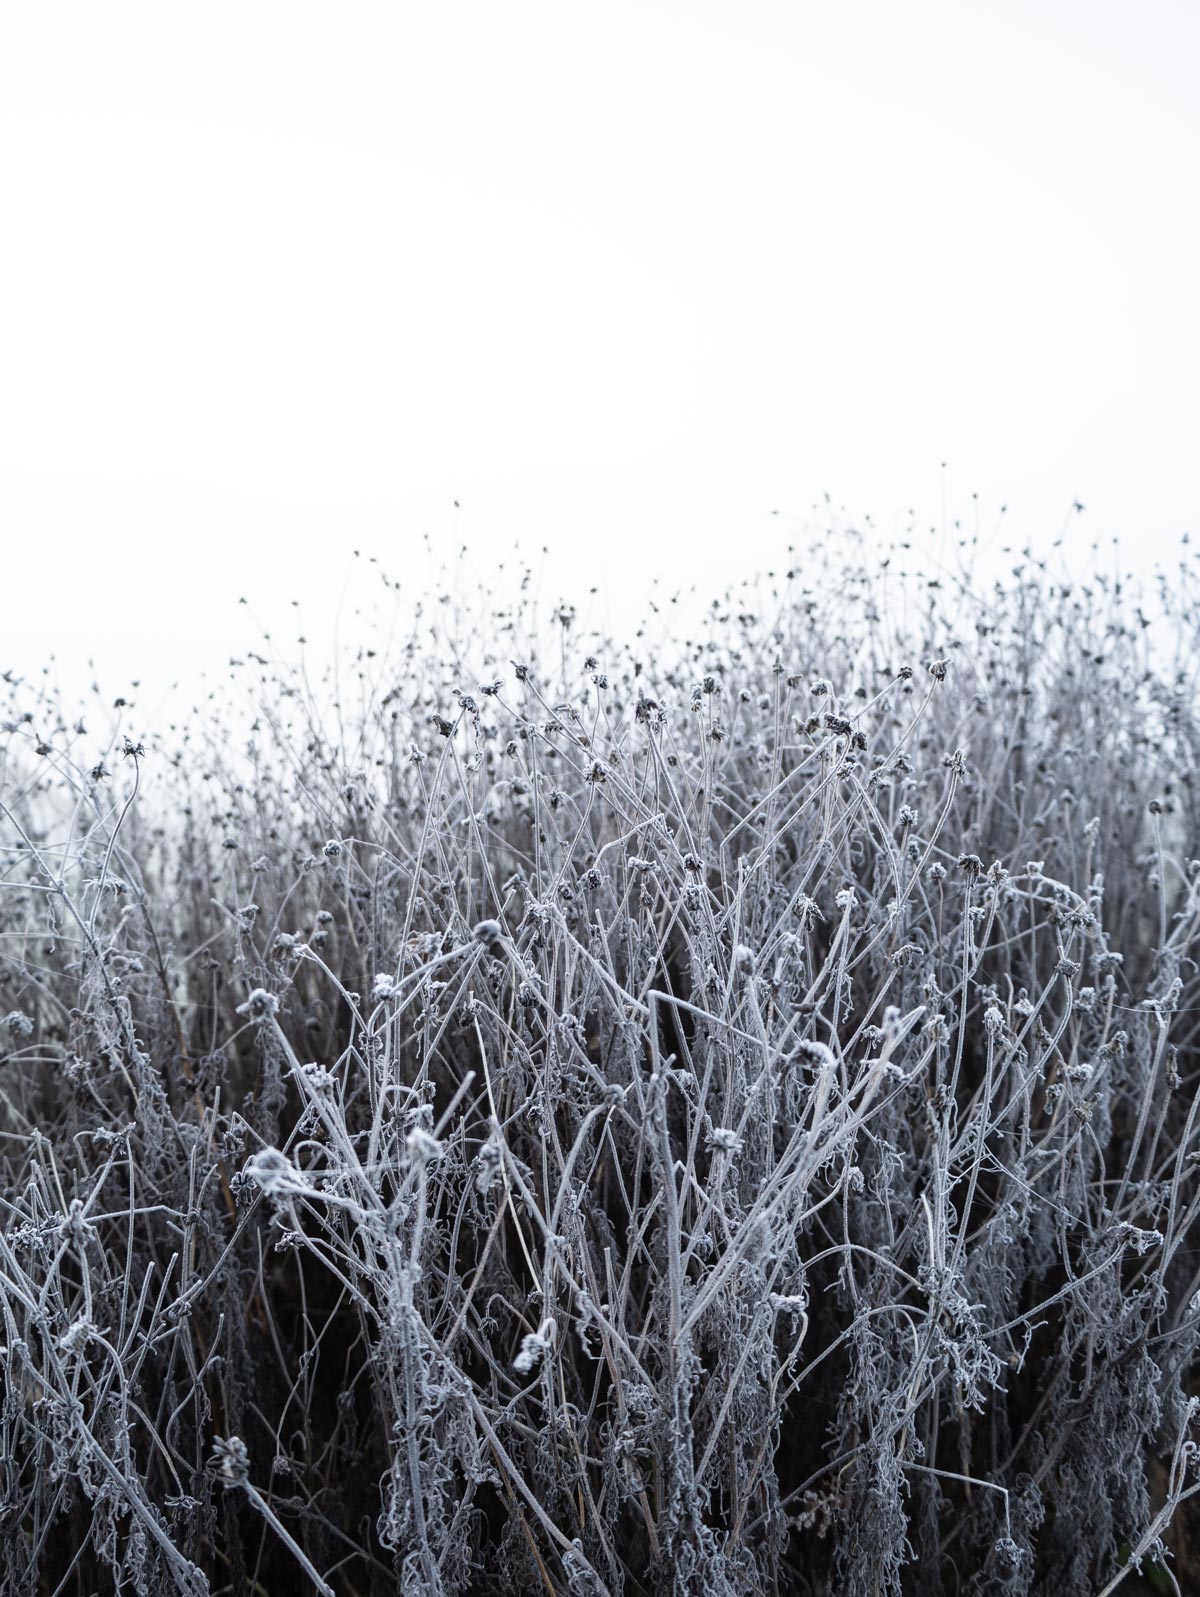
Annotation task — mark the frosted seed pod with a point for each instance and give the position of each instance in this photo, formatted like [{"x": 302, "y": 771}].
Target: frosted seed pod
[
  {"x": 260, "y": 1005},
  {"x": 422, "y": 1146},
  {"x": 491, "y": 934},
  {"x": 534, "y": 1347}
]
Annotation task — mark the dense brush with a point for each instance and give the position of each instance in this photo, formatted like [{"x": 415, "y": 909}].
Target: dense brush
[{"x": 716, "y": 1120}]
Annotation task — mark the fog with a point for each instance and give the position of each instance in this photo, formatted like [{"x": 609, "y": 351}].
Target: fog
[{"x": 286, "y": 281}]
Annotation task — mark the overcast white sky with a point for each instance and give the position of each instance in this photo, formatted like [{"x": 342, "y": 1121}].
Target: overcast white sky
[{"x": 284, "y": 279}]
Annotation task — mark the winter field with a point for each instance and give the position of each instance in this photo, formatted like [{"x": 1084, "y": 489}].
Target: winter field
[{"x": 554, "y": 1114}]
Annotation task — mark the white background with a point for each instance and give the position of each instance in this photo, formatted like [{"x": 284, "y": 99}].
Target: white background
[{"x": 280, "y": 280}]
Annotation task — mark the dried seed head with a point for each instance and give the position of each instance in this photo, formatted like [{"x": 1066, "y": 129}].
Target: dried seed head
[
  {"x": 260, "y": 1005},
  {"x": 423, "y": 1147},
  {"x": 231, "y": 1460},
  {"x": 491, "y": 934},
  {"x": 722, "y": 1139},
  {"x": 272, "y": 1171}
]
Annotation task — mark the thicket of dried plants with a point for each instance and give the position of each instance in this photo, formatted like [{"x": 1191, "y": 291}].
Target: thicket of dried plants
[{"x": 714, "y": 1118}]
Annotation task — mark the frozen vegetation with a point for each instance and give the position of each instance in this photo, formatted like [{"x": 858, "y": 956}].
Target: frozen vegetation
[{"x": 548, "y": 1115}]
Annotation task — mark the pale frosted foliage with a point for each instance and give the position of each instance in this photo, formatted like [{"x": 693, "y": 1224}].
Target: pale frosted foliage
[{"x": 710, "y": 1118}]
